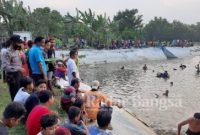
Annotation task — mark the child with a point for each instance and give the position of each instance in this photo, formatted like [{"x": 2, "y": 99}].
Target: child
[
  {"x": 75, "y": 125},
  {"x": 81, "y": 104},
  {"x": 41, "y": 85},
  {"x": 33, "y": 99},
  {"x": 103, "y": 121},
  {"x": 33, "y": 121},
  {"x": 11, "y": 117},
  {"x": 26, "y": 84},
  {"x": 49, "y": 123}
]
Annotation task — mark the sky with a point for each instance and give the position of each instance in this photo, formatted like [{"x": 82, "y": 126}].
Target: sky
[{"x": 186, "y": 11}]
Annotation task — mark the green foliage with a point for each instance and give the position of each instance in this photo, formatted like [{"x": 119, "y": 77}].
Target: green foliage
[
  {"x": 128, "y": 34},
  {"x": 14, "y": 15},
  {"x": 158, "y": 29},
  {"x": 128, "y": 19},
  {"x": 46, "y": 22},
  {"x": 127, "y": 24}
]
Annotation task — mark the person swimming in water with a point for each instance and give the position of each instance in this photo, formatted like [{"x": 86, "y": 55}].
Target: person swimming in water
[
  {"x": 197, "y": 67},
  {"x": 164, "y": 75},
  {"x": 166, "y": 94},
  {"x": 171, "y": 83},
  {"x": 145, "y": 67},
  {"x": 194, "y": 125},
  {"x": 182, "y": 66}
]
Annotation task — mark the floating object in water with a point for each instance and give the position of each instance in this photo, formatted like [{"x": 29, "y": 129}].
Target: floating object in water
[
  {"x": 153, "y": 71},
  {"x": 174, "y": 69}
]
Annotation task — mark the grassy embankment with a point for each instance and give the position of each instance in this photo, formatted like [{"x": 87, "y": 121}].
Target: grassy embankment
[{"x": 5, "y": 99}]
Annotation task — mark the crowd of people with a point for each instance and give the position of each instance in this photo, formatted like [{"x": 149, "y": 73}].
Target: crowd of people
[
  {"x": 30, "y": 68},
  {"x": 126, "y": 44}
]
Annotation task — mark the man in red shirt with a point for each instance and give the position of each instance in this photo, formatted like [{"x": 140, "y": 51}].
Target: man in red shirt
[{"x": 33, "y": 122}]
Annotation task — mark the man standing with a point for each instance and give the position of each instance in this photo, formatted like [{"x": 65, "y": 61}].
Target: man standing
[
  {"x": 25, "y": 43},
  {"x": 12, "y": 64},
  {"x": 37, "y": 61},
  {"x": 72, "y": 67}
]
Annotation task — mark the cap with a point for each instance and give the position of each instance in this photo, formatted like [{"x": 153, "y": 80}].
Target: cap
[
  {"x": 69, "y": 90},
  {"x": 62, "y": 131},
  {"x": 95, "y": 84},
  {"x": 16, "y": 38}
]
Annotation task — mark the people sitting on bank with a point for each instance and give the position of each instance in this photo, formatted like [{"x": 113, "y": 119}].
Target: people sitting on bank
[
  {"x": 193, "y": 123},
  {"x": 62, "y": 131},
  {"x": 94, "y": 98},
  {"x": 33, "y": 121},
  {"x": 182, "y": 66},
  {"x": 49, "y": 124},
  {"x": 164, "y": 75},
  {"x": 145, "y": 67},
  {"x": 68, "y": 98},
  {"x": 40, "y": 85},
  {"x": 103, "y": 121},
  {"x": 11, "y": 117},
  {"x": 33, "y": 99},
  {"x": 76, "y": 84},
  {"x": 198, "y": 68},
  {"x": 81, "y": 104},
  {"x": 26, "y": 84},
  {"x": 74, "y": 124},
  {"x": 61, "y": 70}
]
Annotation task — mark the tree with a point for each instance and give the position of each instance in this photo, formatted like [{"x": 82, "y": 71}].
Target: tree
[
  {"x": 89, "y": 26},
  {"x": 181, "y": 31},
  {"x": 158, "y": 29},
  {"x": 14, "y": 15},
  {"x": 128, "y": 19},
  {"x": 46, "y": 22}
]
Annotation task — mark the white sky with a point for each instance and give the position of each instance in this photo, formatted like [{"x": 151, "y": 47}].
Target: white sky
[{"x": 187, "y": 11}]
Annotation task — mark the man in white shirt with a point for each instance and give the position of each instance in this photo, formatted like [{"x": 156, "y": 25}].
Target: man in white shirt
[{"x": 72, "y": 67}]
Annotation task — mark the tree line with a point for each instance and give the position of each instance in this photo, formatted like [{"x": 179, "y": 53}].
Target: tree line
[{"x": 126, "y": 25}]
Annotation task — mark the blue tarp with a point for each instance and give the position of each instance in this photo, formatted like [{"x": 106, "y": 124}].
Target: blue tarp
[{"x": 167, "y": 53}]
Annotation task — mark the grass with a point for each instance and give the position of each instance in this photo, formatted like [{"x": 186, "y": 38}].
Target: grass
[{"x": 5, "y": 99}]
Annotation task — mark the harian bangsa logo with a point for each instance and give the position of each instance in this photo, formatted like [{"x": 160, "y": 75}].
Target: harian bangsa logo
[{"x": 161, "y": 104}]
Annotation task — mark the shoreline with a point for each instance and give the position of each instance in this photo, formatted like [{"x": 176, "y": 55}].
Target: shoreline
[{"x": 91, "y": 56}]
